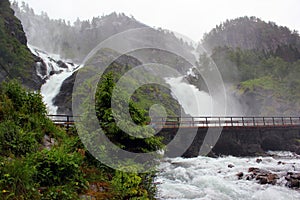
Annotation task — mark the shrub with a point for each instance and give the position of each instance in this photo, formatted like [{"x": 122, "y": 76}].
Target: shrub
[
  {"x": 14, "y": 141},
  {"x": 16, "y": 180},
  {"x": 56, "y": 167},
  {"x": 128, "y": 186}
]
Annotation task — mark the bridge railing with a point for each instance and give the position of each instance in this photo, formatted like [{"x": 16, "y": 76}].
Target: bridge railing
[
  {"x": 64, "y": 120},
  {"x": 175, "y": 122}
]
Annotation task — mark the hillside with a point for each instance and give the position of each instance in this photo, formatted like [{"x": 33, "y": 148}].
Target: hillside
[
  {"x": 75, "y": 41},
  {"x": 261, "y": 61},
  {"x": 16, "y": 61},
  {"x": 253, "y": 33}
]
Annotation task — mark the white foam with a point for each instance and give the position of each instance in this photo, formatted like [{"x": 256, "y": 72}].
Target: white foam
[
  {"x": 193, "y": 101},
  {"x": 210, "y": 178}
]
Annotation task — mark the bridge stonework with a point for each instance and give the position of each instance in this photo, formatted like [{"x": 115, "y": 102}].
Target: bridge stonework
[
  {"x": 240, "y": 136},
  {"x": 237, "y": 141}
]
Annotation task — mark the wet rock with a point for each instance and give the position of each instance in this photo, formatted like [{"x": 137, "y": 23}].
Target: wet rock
[
  {"x": 48, "y": 142},
  {"x": 258, "y": 160},
  {"x": 262, "y": 179},
  {"x": 281, "y": 163},
  {"x": 293, "y": 180},
  {"x": 61, "y": 64},
  {"x": 249, "y": 177},
  {"x": 272, "y": 178},
  {"x": 293, "y": 183},
  {"x": 253, "y": 170},
  {"x": 230, "y": 166},
  {"x": 263, "y": 176},
  {"x": 240, "y": 175},
  {"x": 55, "y": 72}
]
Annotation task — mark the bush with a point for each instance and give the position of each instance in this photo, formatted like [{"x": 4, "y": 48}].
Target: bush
[
  {"x": 57, "y": 168},
  {"x": 128, "y": 186},
  {"x": 14, "y": 141},
  {"x": 17, "y": 180}
]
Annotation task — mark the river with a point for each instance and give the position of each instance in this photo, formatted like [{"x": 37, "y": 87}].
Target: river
[{"x": 211, "y": 179}]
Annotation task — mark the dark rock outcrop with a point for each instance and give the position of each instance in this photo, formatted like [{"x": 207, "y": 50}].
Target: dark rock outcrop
[
  {"x": 292, "y": 179},
  {"x": 16, "y": 60}
]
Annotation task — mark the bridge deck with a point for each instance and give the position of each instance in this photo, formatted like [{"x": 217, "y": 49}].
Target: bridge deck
[{"x": 201, "y": 122}]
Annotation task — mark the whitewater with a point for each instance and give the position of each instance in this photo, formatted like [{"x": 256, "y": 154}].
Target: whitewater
[
  {"x": 211, "y": 179},
  {"x": 205, "y": 178},
  {"x": 54, "y": 81}
]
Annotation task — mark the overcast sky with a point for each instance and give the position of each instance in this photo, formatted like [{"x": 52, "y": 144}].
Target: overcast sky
[{"x": 191, "y": 18}]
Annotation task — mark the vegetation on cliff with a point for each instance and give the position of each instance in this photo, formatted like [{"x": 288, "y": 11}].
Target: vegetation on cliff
[
  {"x": 265, "y": 83},
  {"x": 75, "y": 40},
  {"x": 16, "y": 61},
  {"x": 262, "y": 62},
  {"x": 252, "y": 33},
  {"x": 31, "y": 168}
]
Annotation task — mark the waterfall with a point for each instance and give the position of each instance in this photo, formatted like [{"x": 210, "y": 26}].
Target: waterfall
[
  {"x": 54, "y": 72},
  {"x": 193, "y": 101}
]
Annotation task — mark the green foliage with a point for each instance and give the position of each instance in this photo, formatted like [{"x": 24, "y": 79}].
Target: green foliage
[
  {"x": 63, "y": 192},
  {"x": 14, "y": 141},
  {"x": 128, "y": 186},
  {"x": 16, "y": 61},
  {"x": 271, "y": 81},
  {"x": 23, "y": 101},
  {"x": 107, "y": 121},
  {"x": 17, "y": 180},
  {"x": 255, "y": 34},
  {"x": 56, "y": 167},
  {"x": 23, "y": 120},
  {"x": 25, "y": 168}
]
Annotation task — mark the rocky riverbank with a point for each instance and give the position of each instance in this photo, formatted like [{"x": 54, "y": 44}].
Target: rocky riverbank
[{"x": 262, "y": 176}]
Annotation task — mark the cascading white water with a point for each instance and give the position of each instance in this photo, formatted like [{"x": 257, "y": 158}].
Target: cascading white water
[
  {"x": 194, "y": 102},
  {"x": 51, "y": 88},
  {"x": 54, "y": 76},
  {"x": 211, "y": 179}
]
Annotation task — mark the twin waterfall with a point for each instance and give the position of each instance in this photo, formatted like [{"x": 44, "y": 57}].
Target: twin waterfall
[
  {"x": 56, "y": 71},
  {"x": 195, "y": 178}
]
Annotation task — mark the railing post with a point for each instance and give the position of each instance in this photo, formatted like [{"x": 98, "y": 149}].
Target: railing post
[
  {"x": 273, "y": 121},
  {"x": 282, "y": 121},
  {"x": 243, "y": 121},
  {"x": 291, "y": 120},
  {"x": 206, "y": 121},
  {"x": 253, "y": 121},
  {"x": 193, "y": 122},
  {"x": 264, "y": 121},
  {"x": 231, "y": 121},
  {"x": 68, "y": 122}
]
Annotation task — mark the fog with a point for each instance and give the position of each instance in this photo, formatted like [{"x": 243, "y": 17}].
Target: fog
[{"x": 191, "y": 18}]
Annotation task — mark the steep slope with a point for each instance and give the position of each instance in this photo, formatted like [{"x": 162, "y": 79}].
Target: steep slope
[
  {"x": 16, "y": 60},
  {"x": 261, "y": 61},
  {"x": 75, "y": 41},
  {"x": 253, "y": 33}
]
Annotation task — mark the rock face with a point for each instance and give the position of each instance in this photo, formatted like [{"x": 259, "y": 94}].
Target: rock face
[
  {"x": 64, "y": 99},
  {"x": 16, "y": 60},
  {"x": 240, "y": 141}
]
